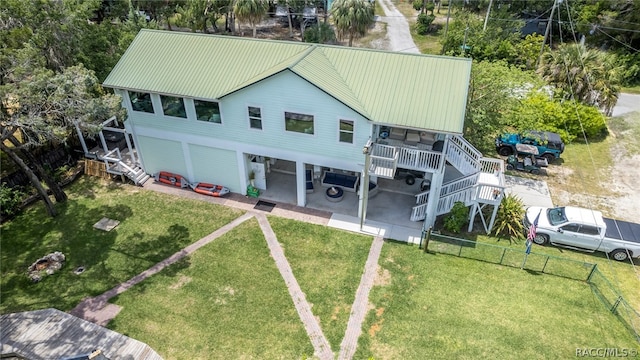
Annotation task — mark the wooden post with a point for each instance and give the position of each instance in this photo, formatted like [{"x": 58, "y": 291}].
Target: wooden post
[{"x": 426, "y": 242}]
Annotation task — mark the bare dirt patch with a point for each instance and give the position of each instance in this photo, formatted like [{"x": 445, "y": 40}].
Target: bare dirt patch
[
  {"x": 617, "y": 193},
  {"x": 180, "y": 283},
  {"x": 383, "y": 277}
]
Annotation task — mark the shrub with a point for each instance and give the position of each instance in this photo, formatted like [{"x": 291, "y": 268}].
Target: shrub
[
  {"x": 539, "y": 111},
  {"x": 320, "y": 33},
  {"x": 424, "y": 23},
  {"x": 10, "y": 200},
  {"x": 456, "y": 218},
  {"x": 509, "y": 218}
]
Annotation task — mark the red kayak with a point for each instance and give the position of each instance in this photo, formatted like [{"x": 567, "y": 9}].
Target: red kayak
[
  {"x": 168, "y": 178},
  {"x": 211, "y": 189}
]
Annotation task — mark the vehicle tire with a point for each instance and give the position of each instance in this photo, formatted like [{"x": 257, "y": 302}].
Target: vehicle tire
[
  {"x": 505, "y": 151},
  {"x": 535, "y": 171},
  {"x": 541, "y": 239},
  {"x": 620, "y": 254},
  {"x": 550, "y": 158},
  {"x": 410, "y": 179},
  {"x": 509, "y": 167}
]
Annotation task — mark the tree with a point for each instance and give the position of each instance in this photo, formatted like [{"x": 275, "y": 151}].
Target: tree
[
  {"x": 494, "y": 90},
  {"x": 466, "y": 37},
  {"x": 250, "y": 11},
  {"x": 587, "y": 75},
  {"x": 39, "y": 107},
  {"x": 352, "y": 18},
  {"x": 63, "y": 35},
  {"x": 197, "y": 14}
]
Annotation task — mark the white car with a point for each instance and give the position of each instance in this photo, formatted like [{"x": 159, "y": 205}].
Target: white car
[{"x": 584, "y": 229}]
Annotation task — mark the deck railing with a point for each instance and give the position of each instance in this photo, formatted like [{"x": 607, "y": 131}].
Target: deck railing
[
  {"x": 117, "y": 161},
  {"x": 445, "y": 203},
  {"x": 465, "y": 162},
  {"x": 416, "y": 159}
]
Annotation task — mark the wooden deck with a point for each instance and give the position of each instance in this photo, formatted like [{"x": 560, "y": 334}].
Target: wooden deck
[{"x": 53, "y": 334}]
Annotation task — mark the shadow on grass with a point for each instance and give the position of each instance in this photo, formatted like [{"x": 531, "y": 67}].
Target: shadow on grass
[{"x": 107, "y": 257}]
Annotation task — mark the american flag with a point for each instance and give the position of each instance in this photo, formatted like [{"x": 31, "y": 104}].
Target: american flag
[
  {"x": 532, "y": 233},
  {"x": 532, "y": 229}
]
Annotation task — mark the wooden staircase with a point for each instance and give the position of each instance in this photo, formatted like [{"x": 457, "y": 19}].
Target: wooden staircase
[{"x": 118, "y": 163}]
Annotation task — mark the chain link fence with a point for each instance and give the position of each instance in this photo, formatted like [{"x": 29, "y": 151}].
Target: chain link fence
[{"x": 547, "y": 264}]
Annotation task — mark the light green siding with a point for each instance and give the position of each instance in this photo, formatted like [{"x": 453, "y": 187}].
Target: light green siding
[
  {"x": 292, "y": 94},
  {"x": 216, "y": 166},
  {"x": 162, "y": 155},
  {"x": 288, "y": 92},
  {"x": 409, "y": 90}
]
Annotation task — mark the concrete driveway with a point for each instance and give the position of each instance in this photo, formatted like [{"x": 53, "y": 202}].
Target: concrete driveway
[{"x": 626, "y": 103}]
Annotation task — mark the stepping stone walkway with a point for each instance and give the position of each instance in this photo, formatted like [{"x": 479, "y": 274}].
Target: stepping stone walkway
[{"x": 99, "y": 311}]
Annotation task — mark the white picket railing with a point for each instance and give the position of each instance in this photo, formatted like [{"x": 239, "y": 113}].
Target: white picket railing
[
  {"x": 422, "y": 197},
  {"x": 463, "y": 161},
  {"x": 466, "y": 147},
  {"x": 490, "y": 165},
  {"x": 445, "y": 203},
  {"x": 416, "y": 159}
]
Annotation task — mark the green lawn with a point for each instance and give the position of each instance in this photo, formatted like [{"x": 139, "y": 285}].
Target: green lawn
[
  {"x": 440, "y": 306},
  {"x": 622, "y": 275},
  {"x": 152, "y": 227},
  {"x": 328, "y": 265},
  {"x": 229, "y": 297},
  {"x": 242, "y": 306}
]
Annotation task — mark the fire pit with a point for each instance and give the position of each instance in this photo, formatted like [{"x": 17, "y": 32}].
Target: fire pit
[{"x": 334, "y": 194}]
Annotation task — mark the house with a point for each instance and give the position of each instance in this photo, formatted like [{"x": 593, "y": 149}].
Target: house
[{"x": 216, "y": 108}]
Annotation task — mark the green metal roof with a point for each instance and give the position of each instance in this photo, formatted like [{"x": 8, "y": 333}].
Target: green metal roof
[{"x": 401, "y": 89}]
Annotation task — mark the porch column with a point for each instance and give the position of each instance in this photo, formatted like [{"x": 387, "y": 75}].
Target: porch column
[
  {"x": 433, "y": 199},
  {"x": 436, "y": 186},
  {"x": 301, "y": 185}
]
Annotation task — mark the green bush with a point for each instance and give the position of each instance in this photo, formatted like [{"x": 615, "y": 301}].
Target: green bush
[
  {"x": 456, "y": 218},
  {"x": 424, "y": 23},
  {"x": 320, "y": 33},
  {"x": 538, "y": 111},
  {"x": 10, "y": 200},
  {"x": 509, "y": 218}
]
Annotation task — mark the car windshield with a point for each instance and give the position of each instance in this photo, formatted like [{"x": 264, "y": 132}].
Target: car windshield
[{"x": 556, "y": 216}]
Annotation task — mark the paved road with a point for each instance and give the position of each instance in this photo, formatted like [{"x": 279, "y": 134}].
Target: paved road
[
  {"x": 397, "y": 29},
  {"x": 626, "y": 103}
]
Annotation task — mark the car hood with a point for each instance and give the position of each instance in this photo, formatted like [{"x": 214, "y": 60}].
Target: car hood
[{"x": 533, "y": 211}]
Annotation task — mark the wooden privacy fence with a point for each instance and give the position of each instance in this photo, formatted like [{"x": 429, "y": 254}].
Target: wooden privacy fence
[{"x": 96, "y": 168}]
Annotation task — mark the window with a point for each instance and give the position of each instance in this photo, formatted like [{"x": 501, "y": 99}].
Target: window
[
  {"x": 589, "y": 230},
  {"x": 255, "y": 118},
  {"x": 141, "y": 101},
  {"x": 207, "y": 111},
  {"x": 173, "y": 106},
  {"x": 346, "y": 131},
  {"x": 571, "y": 227},
  {"x": 298, "y": 123}
]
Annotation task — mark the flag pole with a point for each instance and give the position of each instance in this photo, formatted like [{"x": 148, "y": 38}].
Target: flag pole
[{"x": 530, "y": 236}]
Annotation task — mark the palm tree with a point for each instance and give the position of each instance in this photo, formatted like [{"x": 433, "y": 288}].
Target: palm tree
[
  {"x": 250, "y": 11},
  {"x": 352, "y": 17},
  {"x": 587, "y": 75}
]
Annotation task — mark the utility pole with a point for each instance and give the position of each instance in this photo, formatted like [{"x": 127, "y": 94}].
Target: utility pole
[
  {"x": 486, "y": 19},
  {"x": 546, "y": 31}
]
